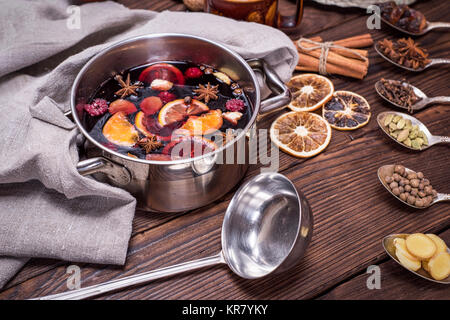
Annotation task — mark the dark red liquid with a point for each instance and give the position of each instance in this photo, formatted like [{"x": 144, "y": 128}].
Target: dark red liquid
[{"x": 108, "y": 89}]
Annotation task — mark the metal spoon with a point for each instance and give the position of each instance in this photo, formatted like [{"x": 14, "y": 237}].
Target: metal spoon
[
  {"x": 420, "y": 104},
  {"x": 388, "y": 245},
  {"x": 432, "y": 140},
  {"x": 430, "y": 26},
  {"x": 266, "y": 229},
  {"x": 429, "y": 64},
  {"x": 388, "y": 170}
]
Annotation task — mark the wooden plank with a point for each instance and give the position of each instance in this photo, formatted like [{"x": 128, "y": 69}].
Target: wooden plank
[
  {"x": 396, "y": 284},
  {"x": 340, "y": 229},
  {"x": 346, "y": 235}
]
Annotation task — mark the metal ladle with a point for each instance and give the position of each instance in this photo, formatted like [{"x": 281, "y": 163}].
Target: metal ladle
[
  {"x": 420, "y": 104},
  {"x": 266, "y": 229},
  {"x": 388, "y": 245},
  {"x": 432, "y": 140},
  {"x": 432, "y": 62},
  {"x": 388, "y": 170}
]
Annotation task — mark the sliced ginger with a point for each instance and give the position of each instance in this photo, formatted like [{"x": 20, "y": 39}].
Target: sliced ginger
[
  {"x": 440, "y": 244},
  {"x": 420, "y": 246},
  {"x": 413, "y": 265},
  {"x": 428, "y": 252},
  {"x": 439, "y": 266},
  {"x": 400, "y": 247}
]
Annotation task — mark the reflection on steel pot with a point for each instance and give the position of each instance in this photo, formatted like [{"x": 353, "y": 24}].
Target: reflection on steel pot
[{"x": 179, "y": 185}]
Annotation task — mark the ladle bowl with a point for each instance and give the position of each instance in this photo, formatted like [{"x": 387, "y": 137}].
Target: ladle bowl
[{"x": 266, "y": 229}]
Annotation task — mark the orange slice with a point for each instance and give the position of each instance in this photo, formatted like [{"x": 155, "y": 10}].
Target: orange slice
[
  {"x": 301, "y": 134},
  {"x": 178, "y": 110},
  {"x": 120, "y": 131},
  {"x": 205, "y": 124},
  {"x": 139, "y": 123},
  {"x": 309, "y": 91},
  {"x": 347, "y": 111}
]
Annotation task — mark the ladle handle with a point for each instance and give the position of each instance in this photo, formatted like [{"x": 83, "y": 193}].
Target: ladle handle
[{"x": 136, "y": 279}]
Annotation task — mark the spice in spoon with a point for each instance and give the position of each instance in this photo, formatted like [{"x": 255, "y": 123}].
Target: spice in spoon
[
  {"x": 405, "y": 132},
  {"x": 411, "y": 187},
  {"x": 398, "y": 92},
  {"x": 405, "y": 52},
  {"x": 403, "y": 17}
]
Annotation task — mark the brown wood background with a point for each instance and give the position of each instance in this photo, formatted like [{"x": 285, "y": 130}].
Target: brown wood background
[{"x": 352, "y": 211}]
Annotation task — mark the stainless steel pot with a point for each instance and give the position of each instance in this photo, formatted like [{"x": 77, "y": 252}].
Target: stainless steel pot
[{"x": 179, "y": 185}]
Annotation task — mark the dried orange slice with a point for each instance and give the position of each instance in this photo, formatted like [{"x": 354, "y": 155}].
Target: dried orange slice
[
  {"x": 301, "y": 134},
  {"x": 120, "y": 131},
  {"x": 309, "y": 91},
  {"x": 347, "y": 111},
  {"x": 178, "y": 110},
  {"x": 205, "y": 124}
]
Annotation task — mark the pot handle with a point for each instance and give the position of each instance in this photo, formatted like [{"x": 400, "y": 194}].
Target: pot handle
[
  {"x": 115, "y": 172},
  {"x": 283, "y": 95}
]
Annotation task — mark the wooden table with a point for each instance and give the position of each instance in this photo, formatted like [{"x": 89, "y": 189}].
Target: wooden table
[{"x": 352, "y": 211}]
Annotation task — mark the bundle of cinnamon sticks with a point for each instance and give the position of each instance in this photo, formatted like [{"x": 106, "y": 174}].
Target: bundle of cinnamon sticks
[{"x": 351, "y": 62}]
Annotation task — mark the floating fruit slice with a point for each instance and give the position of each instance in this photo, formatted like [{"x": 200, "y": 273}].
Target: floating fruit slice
[
  {"x": 162, "y": 71},
  {"x": 139, "y": 122},
  {"x": 121, "y": 105},
  {"x": 178, "y": 110},
  {"x": 309, "y": 91},
  {"x": 120, "y": 131},
  {"x": 151, "y": 105},
  {"x": 189, "y": 147},
  {"x": 205, "y": 124},
  {"x": 301, "y": 134},
  {"x": 347, "y": 111}
]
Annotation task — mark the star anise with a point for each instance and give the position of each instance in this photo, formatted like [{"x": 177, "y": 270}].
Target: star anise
[
  {"x": 149, "y": 144},
  {"x": 127, "y": 87},
  {"x": 207, "y": 92}
]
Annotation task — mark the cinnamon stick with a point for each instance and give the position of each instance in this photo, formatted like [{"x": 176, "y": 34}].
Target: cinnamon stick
[
  {"x": 310, "y": 63},
  {"x": 353, "y": 64},
  {"x": 351, "y": 53},
  {"x": 361, "y": 41}
]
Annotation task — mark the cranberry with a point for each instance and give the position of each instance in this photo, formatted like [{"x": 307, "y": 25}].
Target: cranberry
[{"x": 235, "y": 105}]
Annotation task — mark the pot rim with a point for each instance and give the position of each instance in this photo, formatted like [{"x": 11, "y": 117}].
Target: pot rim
[{"x": 161, "y": 35}]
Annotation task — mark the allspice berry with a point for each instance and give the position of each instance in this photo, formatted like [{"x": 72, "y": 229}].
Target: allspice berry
[
  {"x": 419, "y": 202},
  {"x": 411, "y": 199},
  {"x": 412, "y": 175},
  {"x": 420, "y": 175},
  {"x": 393, "y": 185},
  {"x": 408, "y": 188},
  {"x": 396, "y": 191},
  {"x": 399, "y": 169},
  {"x": 415, "y": 183}
]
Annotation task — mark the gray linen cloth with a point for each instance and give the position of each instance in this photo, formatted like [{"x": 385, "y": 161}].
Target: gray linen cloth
[{"x": 46, "y": 208}]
